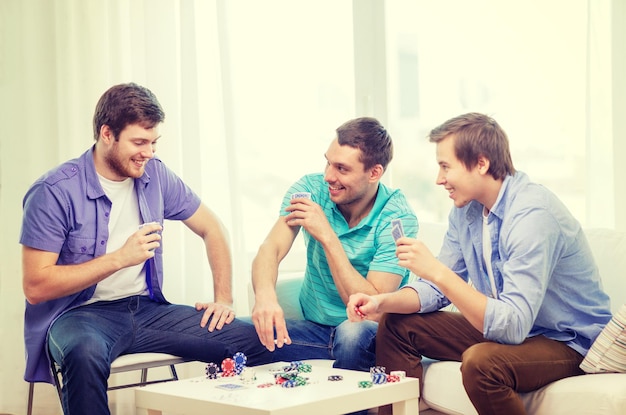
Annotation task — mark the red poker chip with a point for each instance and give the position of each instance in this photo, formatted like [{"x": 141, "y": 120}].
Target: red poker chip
[
  {"x": 228, "y": 365},
  {"x": 393, "y": 378},
  {"x": 265, "y": 385}
]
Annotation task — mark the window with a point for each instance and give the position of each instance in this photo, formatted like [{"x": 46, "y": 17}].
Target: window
[{"x": 525, "y": 65}]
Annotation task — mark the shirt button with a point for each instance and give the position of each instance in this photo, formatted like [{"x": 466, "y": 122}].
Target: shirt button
[
  {"x": 83, "y": 249},
  {"x": 106, "y": 214},
  {"x": 102, "y": 242}
]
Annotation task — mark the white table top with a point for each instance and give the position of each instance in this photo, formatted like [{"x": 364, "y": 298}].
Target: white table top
[{"x": 320, "y": 396}]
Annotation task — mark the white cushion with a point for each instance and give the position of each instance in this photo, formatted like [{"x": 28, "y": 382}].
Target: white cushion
[
  {"x": 602, "y": 394},
  {"x": 608, "y": 351},
  {"x": 443, "y": 389}
]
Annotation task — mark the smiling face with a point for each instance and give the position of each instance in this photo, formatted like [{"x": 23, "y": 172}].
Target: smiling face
[
  {"x": 463, "y": 185},
  {"x": 348, "y": 182},
  {"x": 127, "y": 156}
]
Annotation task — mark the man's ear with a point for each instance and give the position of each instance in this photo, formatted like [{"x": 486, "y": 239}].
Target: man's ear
[
  {"x": 106, "y": 135},
  {"x": 376, "y": 172},
  {"x": 483, "y": 165}
]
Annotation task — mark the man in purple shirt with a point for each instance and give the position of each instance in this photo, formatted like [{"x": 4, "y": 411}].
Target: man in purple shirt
[{"x": 93, "y": 261}]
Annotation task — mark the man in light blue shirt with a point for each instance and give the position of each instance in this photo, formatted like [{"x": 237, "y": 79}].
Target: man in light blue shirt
[
  {"x": 346, "y": 220},
  {"x": 514, "y": 262}
]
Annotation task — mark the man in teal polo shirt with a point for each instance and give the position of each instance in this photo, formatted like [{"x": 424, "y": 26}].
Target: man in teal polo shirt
[{"x": 345, "y": 214}]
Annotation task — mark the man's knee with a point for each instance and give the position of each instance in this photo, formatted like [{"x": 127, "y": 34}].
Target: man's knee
[
  {"x": 80, "y": 351},
  {"x": 481, "y": 364},
  {"x": 354, "y": 333}
]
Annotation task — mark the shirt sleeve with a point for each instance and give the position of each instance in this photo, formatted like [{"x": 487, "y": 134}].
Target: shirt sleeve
[
  {"x": 529, "y": 262},
  {"x": 44, "y": 221}
]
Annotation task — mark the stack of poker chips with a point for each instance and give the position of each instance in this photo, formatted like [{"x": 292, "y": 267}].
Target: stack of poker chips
[
  {"x": 290, "y": 377},
  {"x": 229, "y": 367},
  {"x": 298, "y": 366},
  {"x": 378, "y": 375}
]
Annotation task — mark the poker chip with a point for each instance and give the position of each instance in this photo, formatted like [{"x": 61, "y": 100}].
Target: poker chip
[
  {"x": 265, "y": 385},
  {"x": 228, "y": 367},
  {"x": 293, "y": 366},
  {"x": 377, "y": 369},
  {"x": 280, "y": 380},
  {"x": 399, "y": 373},
  {"x": 305, "y": 368},
  {"x": 393, "y": 378},
  {"x": 365, "y": 384},
  {"x": 334, "y": 378},
  {"x": 379, "y": 378},
  {"x": 240, "y": 359},
  {"x": 211, "y": 371},
  {"x": 239, "y": 368},
  {"x": 289, "y": 384}
]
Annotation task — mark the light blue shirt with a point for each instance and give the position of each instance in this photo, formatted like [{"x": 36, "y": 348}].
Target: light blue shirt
[
  {"x": 369, "y": 246},
  {"x": 546, "y": 278}
]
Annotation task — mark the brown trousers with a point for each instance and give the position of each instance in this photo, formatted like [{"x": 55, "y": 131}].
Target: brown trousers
[{"x": 493, "y": 373}]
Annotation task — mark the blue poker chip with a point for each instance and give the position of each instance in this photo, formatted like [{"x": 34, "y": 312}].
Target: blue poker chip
[
  {"x": 289, "y": 384},
  {"x": 379, "y": 378},
  {"x": 240, "y": 359},
  {"x": 239, "y": 368}
]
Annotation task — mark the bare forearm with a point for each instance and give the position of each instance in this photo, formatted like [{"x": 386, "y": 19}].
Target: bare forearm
[
  {"x": 264, "y": 276},
  {"x": 56, "y": 281},
  {"x": 347, "y": 279},
  {"x": 403, "y": 301},
  {"x": 220, "y": 261}
]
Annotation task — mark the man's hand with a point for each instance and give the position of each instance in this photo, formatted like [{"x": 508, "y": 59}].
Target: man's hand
[
  {"x": 309, "y": 215},
  {"x": 140, "y": 246},
  {"x": 222, "y": 314},
  {"x": 415, "y": 256},
  {"x": 362, "y": 307},
  {"x": 268, "y": 317}
]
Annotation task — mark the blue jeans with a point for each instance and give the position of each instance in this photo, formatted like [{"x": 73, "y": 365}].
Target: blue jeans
[
  {"x": 85, "y": 340},
  {"x": 351, "y": 345}
]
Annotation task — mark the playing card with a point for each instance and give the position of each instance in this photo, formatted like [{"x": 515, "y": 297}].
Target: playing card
[
  {"x": 301, "y": 195},
  {"x": 397, "y": 231},
  {"x": 230, "y": 386}
]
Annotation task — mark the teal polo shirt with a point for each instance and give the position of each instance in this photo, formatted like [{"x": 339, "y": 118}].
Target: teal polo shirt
[{"x": 369, "y": 246}]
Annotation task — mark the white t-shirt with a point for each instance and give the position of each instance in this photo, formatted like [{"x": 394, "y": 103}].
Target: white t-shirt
[{"x": 124, "y": 220}]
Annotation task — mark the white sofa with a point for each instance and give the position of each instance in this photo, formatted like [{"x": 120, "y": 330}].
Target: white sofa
[{"x": 443, "y": 390}]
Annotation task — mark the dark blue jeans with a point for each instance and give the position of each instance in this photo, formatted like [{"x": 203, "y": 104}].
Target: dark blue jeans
[
  {"x": 84, "y": 341},
  {"x": 351, "y": 345}
]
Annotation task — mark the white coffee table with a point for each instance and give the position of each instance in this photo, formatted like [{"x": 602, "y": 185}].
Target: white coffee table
[{"x": 320, "y": 397}]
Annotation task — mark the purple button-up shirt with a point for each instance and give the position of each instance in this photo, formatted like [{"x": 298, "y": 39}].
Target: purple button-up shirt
[{"x": 66, "y": 211}]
